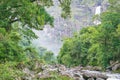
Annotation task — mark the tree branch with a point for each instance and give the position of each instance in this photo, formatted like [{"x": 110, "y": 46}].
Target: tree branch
[{"x": 12, "y": 21}]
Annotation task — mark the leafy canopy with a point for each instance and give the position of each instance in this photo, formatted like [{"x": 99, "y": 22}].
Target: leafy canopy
[
  {"x": 95, "y": 45},
  {"x": 18, "y": 18}
]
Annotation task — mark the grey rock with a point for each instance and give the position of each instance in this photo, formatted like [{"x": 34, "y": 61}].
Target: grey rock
[
  {"x": 116, "y": 67},
  {"x": 113, "y": 79},
  {"x": 100, "y": 79}
]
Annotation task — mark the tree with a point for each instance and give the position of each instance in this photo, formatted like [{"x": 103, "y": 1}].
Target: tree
[
  {"x": 114, "y": 6},
  {"x": 65, "y": 5},
  {"x": 95, "y": 45},
  {"x": 17, "y": 20}
]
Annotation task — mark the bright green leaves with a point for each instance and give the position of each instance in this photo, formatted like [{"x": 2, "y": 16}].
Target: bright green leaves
[
  {"x": 96, "y": 45},
  {"x": 9, "y": 71},
  {"x": 25, "y": 12},
  {"x": 18, "y": 19},
  {"x": 73, "y": 52},
  {"x": 44, "y": 18},
  {"x": 65, "y": 5},
  {"x": 65, "y": 53},
  {"x": 41, "y": 20},
  {"x": 118, "y": 30},
  {"x": 34, "y": 16},
  {"x": 87, "y": 34},
  {"x": 92, "y": 46},
  {"x": 47, "y": 3},
  {"x": 114, "y": 6},
  {"x": 110, "y": 19},
  {"x": 9, "y": 48},
  {"x": 48, "y": 56}
]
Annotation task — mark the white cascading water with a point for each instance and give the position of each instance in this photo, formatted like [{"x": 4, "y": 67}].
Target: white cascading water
[{"x": 97, "y": 12}]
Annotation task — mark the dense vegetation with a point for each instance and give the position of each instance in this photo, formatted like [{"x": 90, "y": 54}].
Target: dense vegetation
[
  {"x": 95, "y": 45},
  {"x": 18, "y": 19}
]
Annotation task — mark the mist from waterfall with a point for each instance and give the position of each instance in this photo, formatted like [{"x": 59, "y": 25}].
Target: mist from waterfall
[{"x": 47, "y": 37}]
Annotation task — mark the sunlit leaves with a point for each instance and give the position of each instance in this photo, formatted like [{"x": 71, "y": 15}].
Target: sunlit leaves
[
  {"x": 94, "y": 45},
  {"x": 66, "y": 10},
  {"x": 110, "y": 19},
  {"x": 47, "y": 3},
  {"x": 118, "y": 30},
  {"x": 8, "y": 48},
  {"x": 114, "y": 6}
]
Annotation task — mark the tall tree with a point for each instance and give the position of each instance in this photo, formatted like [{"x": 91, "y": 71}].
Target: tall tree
[
  {"x": 17, "y": 20},
  {"x": 96, "y": 45}
]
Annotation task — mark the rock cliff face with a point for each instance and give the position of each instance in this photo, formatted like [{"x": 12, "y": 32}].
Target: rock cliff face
[{"x": 82, "y": 12}]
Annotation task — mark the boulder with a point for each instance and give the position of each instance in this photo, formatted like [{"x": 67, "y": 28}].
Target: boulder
[
  {"x": 43, "y": 75},
  {"x": 116, "y": 67},
  {"x": 77, "y": 73},
  {"x": 78, "y": 76},
  {"x": 97, "y": 68},
  {"x": 62, "y": 68},
  {"x": 99, "y": 79},
  {"x": 91, "y": 79},
  {"x": 93, "y": 74},
  {"x": 113, "y": 79}
]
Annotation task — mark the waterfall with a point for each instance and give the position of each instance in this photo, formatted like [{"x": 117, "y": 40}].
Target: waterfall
[{"x": 97, "y": 12}]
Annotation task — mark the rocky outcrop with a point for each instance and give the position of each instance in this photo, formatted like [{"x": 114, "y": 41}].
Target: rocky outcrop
[
  {"x": 93, "y": 74},
  {"x": 114, "y": 66},
  {"x": 77, "y": 73},
  {"x": 93, "y": 68}
]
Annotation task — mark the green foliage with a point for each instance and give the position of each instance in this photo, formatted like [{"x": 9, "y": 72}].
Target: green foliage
[
  {"x": 75, "y": 50},
  {"x": 56, "y": 76},
  {"x": 18, "y": 18},
  {"x": 8, "y": 71},
  {"x": 65, "y": 5},
  {"x": 114, "y": 6},
  {"x": 23, "y": 11},
  {"x": 8, "y": 48},
  {"x": 117, "y": 71},
  {"x": 94, "y": 45},
  {"x": 47, "y": 56}
]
